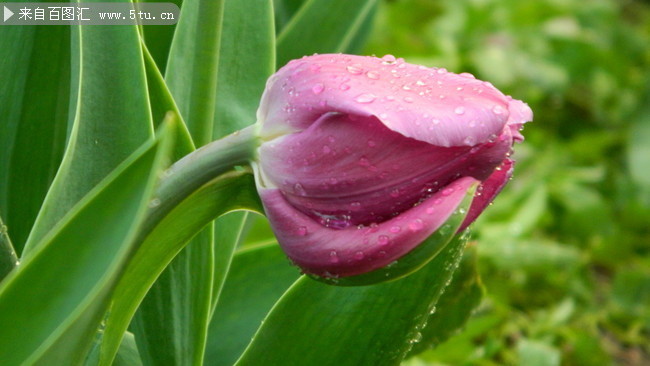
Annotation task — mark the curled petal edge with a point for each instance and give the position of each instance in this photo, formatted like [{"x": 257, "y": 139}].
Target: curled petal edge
[{"x": 355, "y": 256}]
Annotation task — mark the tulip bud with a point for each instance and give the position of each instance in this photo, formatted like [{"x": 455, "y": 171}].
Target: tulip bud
[{"x": 364, "y": 158}]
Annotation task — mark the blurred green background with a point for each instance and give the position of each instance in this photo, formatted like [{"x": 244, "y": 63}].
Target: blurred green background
[{"x": 564, "y": 250}]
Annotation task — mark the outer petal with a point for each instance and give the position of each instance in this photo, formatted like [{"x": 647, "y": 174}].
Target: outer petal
[
  {"x": 343, "y": 171},
  {"x": 520, "y": 113},
  {"x": 351, "y": 251},
  {"x": 488, "y": 190},
  {"x": 430, "y": 105}
]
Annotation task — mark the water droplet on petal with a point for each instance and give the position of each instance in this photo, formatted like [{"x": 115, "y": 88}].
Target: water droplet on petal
[
  {"x": 302, "y": 231},
  {"x": 469, "y": 140},
  {"x": 326, "y": 149},
  {"x": 372, "y": 143},
  {"x": 383, "y": 240},
  {"x": 359, "y": 256},
  {"x": 355, "y": 206},
  {"x": 318, "y": 88},
  {"x": 334, "y": 258},
  {"x": 363, "y": 161},
  {"x": 447, "y": 191},
  {"x": 497, "y": 109},
  {"x": 344, "y": 86},
  {"x": 408, "y": 100},
  {"x": 372, "y": 75},
  {"x": 441, "y": 70},
  {"x": 435, "y": 121},
  {"x": 388, "y": 59},
  {"x": 366, "y": 98},
  {"x": 394, "y": 193},
  {"x": 459, "y": 110},
  {"x": 355, "y": 70},
  {"x": 298, "y": 188},
  {"x": 420, "y": 83},
  {"x": 395, "y": 229},
  {"x": 416, "y": 225}
]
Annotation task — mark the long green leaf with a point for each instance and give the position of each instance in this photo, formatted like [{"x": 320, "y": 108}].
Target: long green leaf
[
  {"x": 59, "y": 293},
  {"x": 8, "y": 258},
  {"x": 232, "y": 191},
  {"x": 229, "y": 231},
  {"x": 188, "y": 198},
  {"x": 323, "y": 26},
  {"x": 246, "y": 60},
  {"x": 285, "y": 10},
  {"x": 35, "y": 89},
  {"x": 455, "y": 306},
  {"x": 171, "y": 325},
  {"x": 112, "y": 118},
  {"x": 191, "y": 72},
  {"x": 159, "y": 37},
  {"x": 318, "y": 324},
  {"x": 257, "y": 278},
  {"x": 128, "y": 354}
]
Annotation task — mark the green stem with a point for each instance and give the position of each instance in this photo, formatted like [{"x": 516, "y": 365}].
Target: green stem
[{"x": 196, "y": 169}]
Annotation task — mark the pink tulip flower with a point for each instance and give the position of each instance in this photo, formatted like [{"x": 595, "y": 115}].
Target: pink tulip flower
[{"x": 363, "y": 158}]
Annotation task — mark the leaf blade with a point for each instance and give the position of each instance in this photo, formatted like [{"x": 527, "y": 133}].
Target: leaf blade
[{"x": 322, "y": 26}]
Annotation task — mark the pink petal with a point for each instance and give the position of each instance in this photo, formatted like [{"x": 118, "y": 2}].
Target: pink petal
[
  {"x": 351, "y": 251},
  {"x": 487, "y": 191},
  {"x": 426, "y": 104},
  {"x": 342, "y": 171}
]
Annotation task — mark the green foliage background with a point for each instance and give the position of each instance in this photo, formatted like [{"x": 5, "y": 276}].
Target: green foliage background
[
  {"x": 91, "y": 116},
  {"x": 564, "y": 251}
]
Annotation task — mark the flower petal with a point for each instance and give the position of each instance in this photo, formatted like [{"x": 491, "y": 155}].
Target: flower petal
[
  {"x": 351, "y": 251},
  {"x": 426, "y": 104},
  {"x": 487, "y": 191},
  {"x": 344, "y": 172}
]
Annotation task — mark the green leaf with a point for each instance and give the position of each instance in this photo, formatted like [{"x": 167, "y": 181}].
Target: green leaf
[
  {"x": 8, "y": 258},
  {"x": 35, "y": 89},
  {"x": 112, "y": 118},
  {"x": 171, "y": 322},
  {"x": 246, "y": 60},
  {"x": 229, "y": 230},
  {"x": 128, "y": 354},
  {"x": 158, "y": 38},
  {"x": 60, "y": 292},
  {"x": 285, "y": 10},
  {"x": 323, "y": 26},
  {"x": 162, "y": 103},
  {"x": 536, "y": 353},
  {"x": 188, "y": 198},
  {"x": 191, "y": 72},
  {"x": 317, "y": 324},
  {"x": 257, "y": 278},
  {"x": 638, "y": 150},
  {"x": 455, "y": 306}
]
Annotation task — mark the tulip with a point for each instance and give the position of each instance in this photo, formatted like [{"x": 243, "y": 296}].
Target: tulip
[{"x": 363, "y": 158}]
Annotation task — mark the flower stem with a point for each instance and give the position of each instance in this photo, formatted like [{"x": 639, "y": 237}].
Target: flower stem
[{"x": 196, "y": 169}]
